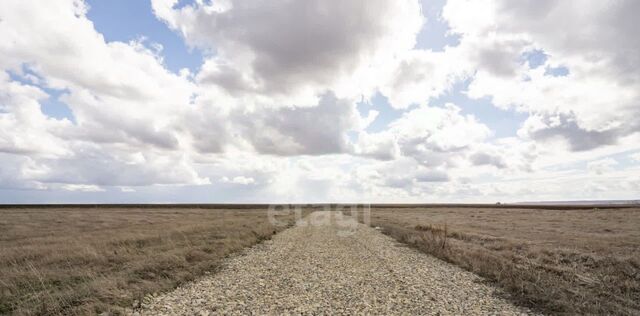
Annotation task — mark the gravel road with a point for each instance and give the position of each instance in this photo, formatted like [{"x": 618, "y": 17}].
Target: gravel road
[{"x": 329, "y": 265}]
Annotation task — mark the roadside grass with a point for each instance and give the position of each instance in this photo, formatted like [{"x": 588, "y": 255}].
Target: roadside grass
[
  {"x": 572, "y": 262},
  {"x": 88, "y": 261}
]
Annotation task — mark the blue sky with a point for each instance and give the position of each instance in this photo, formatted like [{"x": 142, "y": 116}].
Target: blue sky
[
  {"x": 275, "y": 103},
  {"x": 52, "y": 106},
  {"x": 124, "y": 21},
  {"x": 434, "y": 34}
]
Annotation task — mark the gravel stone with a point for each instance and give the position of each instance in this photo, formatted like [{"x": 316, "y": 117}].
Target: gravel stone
[{"x": 329, "y": 264}]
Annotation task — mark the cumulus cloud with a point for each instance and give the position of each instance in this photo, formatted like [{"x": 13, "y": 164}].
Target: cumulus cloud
[
  {"x": 24, "y": 129},
  {"x": 294, "y": 48},
  {"x": 273, "y": 108},
  {"x": 116, "y": 91},
  {"x": 510, "y": 155},
  {"x": 437, "y": 147},
  {"x": 91, "y": 165},
  {"x": 593, "y": 104},
  {"x": 17, "y": 171},
  {"x": 567, "y": 128},
  {"x": 382, "y": 146},
  {"x": 423, "y": 74},
  {"x": 431, "y": 134},
  {"x": 407, "y": 173},
  {"x": 123, "y": 101},
  {"x": 483, "y": 159},
  {"x": 320, "y": 129}
]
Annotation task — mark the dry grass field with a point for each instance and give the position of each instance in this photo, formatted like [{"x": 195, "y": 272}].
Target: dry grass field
[
  {"x": 90, "y": 260},
  {"x": 558, "y": 261},
  {"x": 87, "y": 261}
]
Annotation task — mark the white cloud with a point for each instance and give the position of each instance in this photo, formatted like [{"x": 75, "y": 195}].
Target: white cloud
[
  {"x": 109, "y": 166},
  {"x": 510, "y": 155},
  {"x": 294, "y": 50},
  {"x": 594, "y": 105},
  {"x": 423, "y": 74},
  {"x": 238, "y": 180},
  {"x": 481, "y": 159},
  {"x": 16, "y": 172},
  {"x": 320, "y": 129},
  {"x": 124, "y": 101},
  {"x": 602, "y": 166},
  {"x": 82, "y": 187},
  {"x": 127, "y": 189},
  {"x": 108, "y": 84},
  {"x": 382, "y": 146},
  {"x": 431, "y": 134},
  {"x": 273, "y": 109},
  {"x": 23, "y": 127}
]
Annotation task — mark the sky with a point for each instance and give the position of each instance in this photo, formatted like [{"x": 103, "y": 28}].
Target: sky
[{"x": 307, "y": 101}]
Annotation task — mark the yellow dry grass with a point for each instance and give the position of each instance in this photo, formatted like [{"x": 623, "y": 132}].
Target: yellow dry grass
[
  {"x": 88, "y": 261},
  {"x": 557, "y": 261}
]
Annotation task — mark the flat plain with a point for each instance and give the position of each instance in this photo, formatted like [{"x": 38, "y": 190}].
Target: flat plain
[
  {"x": 91, "y": 260},
  {"x": 83, "y": 261},
  {"x": 559, "y": 261}
]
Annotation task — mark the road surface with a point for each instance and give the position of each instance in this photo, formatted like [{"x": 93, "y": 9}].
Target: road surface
[{"x": 331, "y": 265}]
